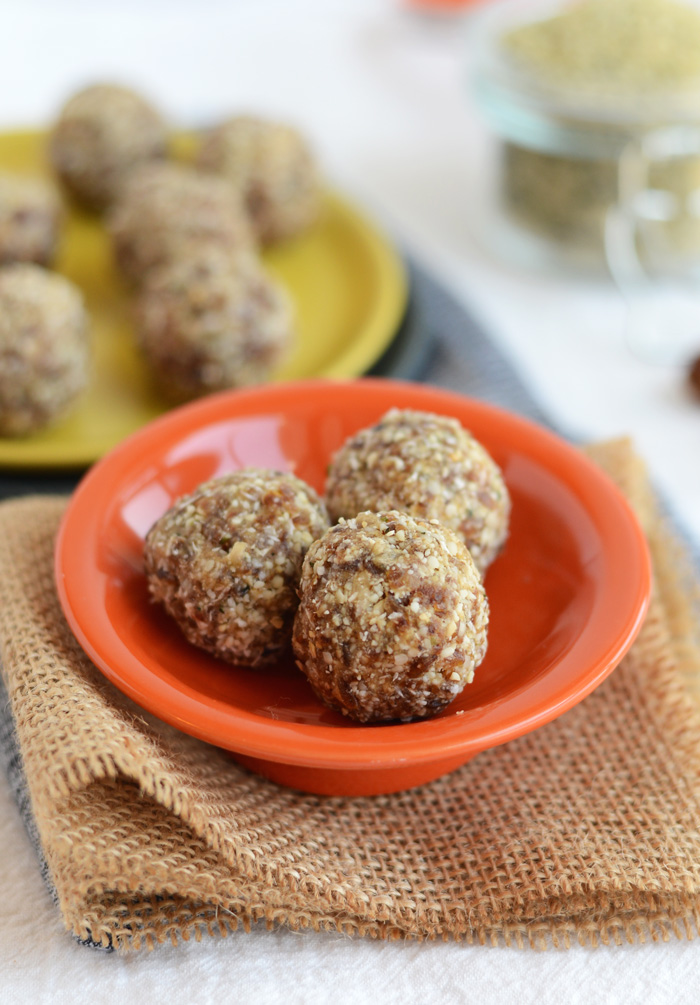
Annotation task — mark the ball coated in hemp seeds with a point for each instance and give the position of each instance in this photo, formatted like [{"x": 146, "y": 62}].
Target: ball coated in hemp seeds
[
  {"x": 103, "y": 132},
  {"x": 393, "y": 617},
  {"x": 44, "y": 348},
  {"x": 170, "y": 211},
  {"x": 210, "y": 322},
  {"x": 30, "y": 218},
  {"x": 429, "y": 466},
  {"x": 271, "y": 166},
  {"x": 225, "y": 561}
]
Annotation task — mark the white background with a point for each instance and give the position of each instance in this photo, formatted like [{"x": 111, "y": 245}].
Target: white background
[{"x": 383, "y": 93}]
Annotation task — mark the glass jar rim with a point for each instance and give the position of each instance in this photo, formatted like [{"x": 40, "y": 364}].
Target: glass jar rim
[{"x": 533, "y": 112}]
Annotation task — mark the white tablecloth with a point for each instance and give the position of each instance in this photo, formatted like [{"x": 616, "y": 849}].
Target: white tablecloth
[{"x": 383, "y": 94}]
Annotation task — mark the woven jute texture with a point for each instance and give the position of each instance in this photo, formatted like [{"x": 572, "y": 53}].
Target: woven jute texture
[{"x": 586, "y": 830}]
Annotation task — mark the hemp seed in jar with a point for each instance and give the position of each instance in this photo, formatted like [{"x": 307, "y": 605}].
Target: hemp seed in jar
[{"x": 571, "y": 88}]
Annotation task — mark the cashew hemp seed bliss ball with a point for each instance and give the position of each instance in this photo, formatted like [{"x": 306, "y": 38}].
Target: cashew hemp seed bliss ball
[
  {"x": 102, "y": 132},
  {"x": 44, "y": 348},
  {"x": 271, "y": 166},
  {"x": 225, "y": 561},
  {"x": 392, "y": 618},
  {"x": 30, "y": 218},
  {"x": 429, "y": 466},
  {"x": 170, "y": 211},
  {"x": 213, "y": 321}
]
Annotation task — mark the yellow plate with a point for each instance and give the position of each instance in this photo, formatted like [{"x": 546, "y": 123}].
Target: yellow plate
[{"x": 347, "y": 282}]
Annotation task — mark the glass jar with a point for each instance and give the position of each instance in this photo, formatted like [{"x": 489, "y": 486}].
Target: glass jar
[{"x": 597, "y": 152}]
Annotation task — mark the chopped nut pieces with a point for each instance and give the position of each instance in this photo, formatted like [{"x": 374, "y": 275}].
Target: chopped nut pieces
[
  {"x": 393, "y": 617},
  {"x": 225, "y": 562},
  {"x": 428, "y": 466}
]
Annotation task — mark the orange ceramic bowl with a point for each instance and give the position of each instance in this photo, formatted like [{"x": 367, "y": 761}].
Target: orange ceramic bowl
[{"x": 567, "y": 594}]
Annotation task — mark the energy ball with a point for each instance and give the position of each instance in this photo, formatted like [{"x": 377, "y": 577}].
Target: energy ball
[
  {"x": 392, "y": 617},
  {"x": 225, "y": 562},
  {"x": 44, "y": 348},
  {"x": 102, "y": 132},
  {"x": 212, "y": 322},
  {"x": 30, "y": 218},
  {"x": 169, "y": 211},
  {"x": 429, "y": 466},
  {"x": 271, "y": 165}
]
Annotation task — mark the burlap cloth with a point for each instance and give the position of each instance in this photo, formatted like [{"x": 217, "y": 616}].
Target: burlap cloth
[{"x": 587, "y": 829}]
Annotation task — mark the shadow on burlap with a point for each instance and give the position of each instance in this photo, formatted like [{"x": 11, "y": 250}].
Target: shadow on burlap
[{"x": 586, "y": 830}]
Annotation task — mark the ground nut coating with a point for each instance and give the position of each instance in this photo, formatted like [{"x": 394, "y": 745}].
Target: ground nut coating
[
  {"x": 101, "y": 134},
  {"x": 429, "y": 466},
  {"x": 30, "y": 216},
  {"x": 393, "y": 617},
  {"x": 225, "y": 562},
  {"x": 270, "y": 164},
  {"x": 211, "y": 322},
  {"x": 169, "y": 211},
  {"x": 44, "y": 348}
]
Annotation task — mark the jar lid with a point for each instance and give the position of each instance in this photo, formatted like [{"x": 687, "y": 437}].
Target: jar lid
[{"x": 581, "y": 79}]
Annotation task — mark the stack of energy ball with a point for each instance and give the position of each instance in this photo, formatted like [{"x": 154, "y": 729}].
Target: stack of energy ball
[
  {"x": 44, "y": 329},
  {"x": 378, "y": 588},
  {"x": 187, "y": 238}
]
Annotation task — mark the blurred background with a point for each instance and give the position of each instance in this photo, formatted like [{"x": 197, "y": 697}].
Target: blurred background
[{"x": 384, "y": 90}]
